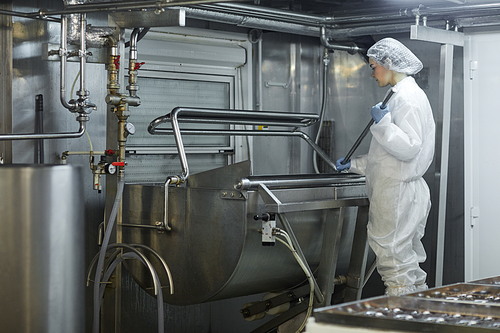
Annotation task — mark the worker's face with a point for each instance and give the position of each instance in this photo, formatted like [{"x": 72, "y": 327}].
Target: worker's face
[{"x": 381, "y": 74}]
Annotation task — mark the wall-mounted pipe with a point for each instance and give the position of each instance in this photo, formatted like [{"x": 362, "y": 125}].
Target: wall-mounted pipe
[
  {"x": 132, "y": 70},
  {"x": 63, "y": 53},
  {"x": 352, "y": 49},
  {"x": 83, "y": 61},
  {"x": 35, "y": 136}
]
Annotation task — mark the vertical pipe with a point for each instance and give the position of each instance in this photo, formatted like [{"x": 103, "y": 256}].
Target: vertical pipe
[
  {"x": 6, "y": 81},
  {"x": 64, "y": 56},
  {"x": 83, "y": 58},
  {"x": 132, "y": 78},
  {"x": 445, "y": 104}
]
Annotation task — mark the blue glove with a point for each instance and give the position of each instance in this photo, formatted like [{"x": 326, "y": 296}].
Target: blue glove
[
  {"x": 342, "y": 167},
  {"x": 379, "y": 113}
]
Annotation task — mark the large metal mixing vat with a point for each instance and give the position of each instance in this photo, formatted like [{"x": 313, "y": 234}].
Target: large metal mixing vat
[
  {"x": 41, "y": 252},
  {"x": 215, "y": 250}
]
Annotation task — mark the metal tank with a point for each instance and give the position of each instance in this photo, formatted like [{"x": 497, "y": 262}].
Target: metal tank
[
  {"x": 214, "y": 248},
  {"x": 41, "y": 252}
]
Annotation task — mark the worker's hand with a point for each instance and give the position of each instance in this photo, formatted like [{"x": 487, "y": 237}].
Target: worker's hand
[
  {"x": 379, "y": 113},
  {"x": 342, "y": 167}
]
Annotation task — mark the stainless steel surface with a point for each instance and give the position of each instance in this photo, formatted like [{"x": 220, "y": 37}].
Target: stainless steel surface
[
  {"x": 42, "y": 252},
  {"x": 359, "y": 256},
  {"x": 146, "y": 19},
  {"x": 269, "y": 198},
  {"x": 464, "y": 293},
  {"x": 445, "y": 93},
  {"x": 6, "y": 82},
  {"x": 495, "y": 280},
  {"x": 296, "y": 181},
  {"x": 412, "y": 314},
  {"x": 214, "y": 250}
]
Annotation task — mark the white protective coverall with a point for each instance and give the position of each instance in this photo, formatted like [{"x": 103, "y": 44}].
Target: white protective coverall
[{"x": 401, "y": 150}]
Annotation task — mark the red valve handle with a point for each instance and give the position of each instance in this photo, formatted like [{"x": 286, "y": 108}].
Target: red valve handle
[
  {"x": 117, "y": 62},
  {"x": 138, "y": 65},
  {"x": 118, "y": 163},
  {"x": 109, "y": 152}
]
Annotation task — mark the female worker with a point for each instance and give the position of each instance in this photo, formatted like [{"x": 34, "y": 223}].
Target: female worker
[{"x": 401, "y": 151}]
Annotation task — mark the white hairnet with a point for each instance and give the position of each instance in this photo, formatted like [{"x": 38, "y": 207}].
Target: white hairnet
[{"x": 393, "y": 55}]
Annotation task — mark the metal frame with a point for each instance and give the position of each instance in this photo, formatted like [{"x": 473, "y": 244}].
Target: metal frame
[
  {"x": 448, "y": 39},
  {"x": 325, "y": 281}
]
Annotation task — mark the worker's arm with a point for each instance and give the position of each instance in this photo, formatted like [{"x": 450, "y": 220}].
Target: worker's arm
[{"x": 400, "y": 132}]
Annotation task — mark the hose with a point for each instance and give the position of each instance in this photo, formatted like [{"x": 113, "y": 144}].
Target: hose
[
  {"x": 326, "y": 61},
  {"x": 159, "y": 295},
  {"x": 102, "y": 254},
  {"x": 302, "y": 265}
]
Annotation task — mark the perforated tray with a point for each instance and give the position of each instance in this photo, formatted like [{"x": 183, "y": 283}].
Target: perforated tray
[{"x": 413, "y": 314}]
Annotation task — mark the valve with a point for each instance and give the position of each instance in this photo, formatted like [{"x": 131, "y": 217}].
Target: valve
[
  {"x": 138, "y": 65},
  {"x": 117, "y": 62},
  {"x": 119, "y": 164}
]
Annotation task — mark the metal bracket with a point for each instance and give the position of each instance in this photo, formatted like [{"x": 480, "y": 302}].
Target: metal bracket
[
  {"x": 232, "y": 195},
  {"x": 440, "y": 36}
]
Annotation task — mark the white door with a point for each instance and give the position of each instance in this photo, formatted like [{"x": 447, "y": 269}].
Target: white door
[{"x": 482, "y": 154}]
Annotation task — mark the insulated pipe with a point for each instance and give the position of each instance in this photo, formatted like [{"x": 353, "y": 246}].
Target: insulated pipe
[
  {"x": 267, "y": 13},
  {"x": 251, "y": 22}
]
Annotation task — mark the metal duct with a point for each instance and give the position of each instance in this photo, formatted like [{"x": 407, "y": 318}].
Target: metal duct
[
  {"x": 336, "y": 27},
  {"x": 251, "y": 22}
]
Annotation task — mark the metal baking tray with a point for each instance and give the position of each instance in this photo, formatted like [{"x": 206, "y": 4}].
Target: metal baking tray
[
  {"x": 463, "y": 292},
  {"x": 413, "y": 314},
  {"x": 495, "y": 280}
]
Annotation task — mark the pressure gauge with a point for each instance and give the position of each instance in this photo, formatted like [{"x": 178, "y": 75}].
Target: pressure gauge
[
  {"x": 110, "y": 169},
  {"x": 130, "y": 128}
]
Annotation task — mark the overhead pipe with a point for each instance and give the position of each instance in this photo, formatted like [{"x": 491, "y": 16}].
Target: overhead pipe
[
  {"x": 311, "y": 28},
  {"x": 353, "y": 49},
  {"x": 121, "y": 6},
  {"x": 248, "y": 21},
  {"x": 268, "y": 13}
]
